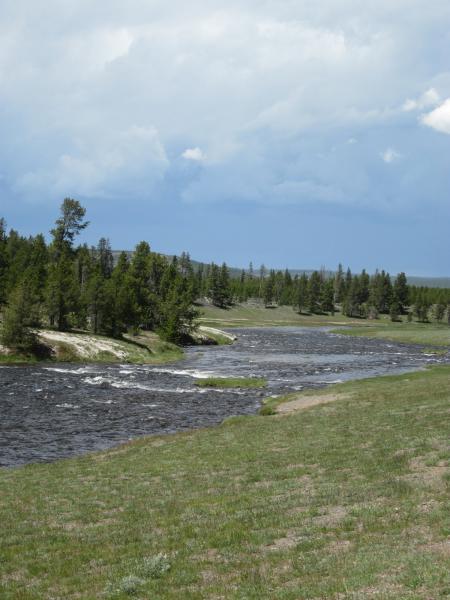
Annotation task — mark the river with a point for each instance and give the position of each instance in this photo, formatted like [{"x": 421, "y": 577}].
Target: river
[{"x": 52, "y": 411}]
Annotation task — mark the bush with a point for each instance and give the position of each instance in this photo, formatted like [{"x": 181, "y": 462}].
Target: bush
[
  {"x": 153, "y": 567},
  {"x": 267, "y": 410}
]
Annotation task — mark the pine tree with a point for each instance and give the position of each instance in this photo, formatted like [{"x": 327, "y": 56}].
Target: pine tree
[
  {"x": 327, "y": 297},
  {"x": 314, "y": 292},
  {"x": 63, "y": 292},
  {"x": 401, "y": 292},
  {"x": 105, "y": 258},
  {"x": 302, "y": 298},
  {"x": 339, "y": 285},
  {"x": 18, "y": 317},
  {"x": 269, "y": 289},
  {"x": 3, "y": 262}
]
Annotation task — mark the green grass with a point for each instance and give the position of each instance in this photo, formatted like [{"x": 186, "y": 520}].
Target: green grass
[
  {"x": 244, "y": 315},
  {"x": 348, "y": 500},
  {"x": 433, "y": 334},
  {"x": 231, "y": 382}
]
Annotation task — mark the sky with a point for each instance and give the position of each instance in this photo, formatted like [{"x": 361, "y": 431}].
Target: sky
[{"x": 294, "y": 133}]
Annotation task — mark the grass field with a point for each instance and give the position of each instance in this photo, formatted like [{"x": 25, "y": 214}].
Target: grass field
[
  {"x": 347, "y": 500},
  {"x": 433, "y": 334},
  {"x": 231, "y": 382},
  {"x": 258, "y": 316}
]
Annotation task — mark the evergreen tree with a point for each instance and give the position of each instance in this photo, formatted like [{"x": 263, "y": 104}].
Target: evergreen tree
[
  {"x": 3, "y": 262},
  {"x": 269, "y": 289},
  {"x": 63, "y": 291},
  {"x": 314, "y": 292},
  {"x": 401, "y": 292},
  {"x": 302, "y": 299},
  {"x": 19, "y": 315},
  {"x": 105, "y": 258},
  {"x": 339, "y": 285},
  {"x": 327, "y": 297}
]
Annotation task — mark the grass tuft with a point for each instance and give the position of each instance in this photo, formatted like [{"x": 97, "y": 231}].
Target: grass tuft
[{"x": 232, "y": 382}]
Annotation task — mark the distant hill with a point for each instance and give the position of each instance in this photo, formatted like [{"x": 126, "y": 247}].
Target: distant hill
[{"x": 436, "y": 282}]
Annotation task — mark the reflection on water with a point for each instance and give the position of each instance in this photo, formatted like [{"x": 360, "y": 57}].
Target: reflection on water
[{"x": 49, "y": 412}]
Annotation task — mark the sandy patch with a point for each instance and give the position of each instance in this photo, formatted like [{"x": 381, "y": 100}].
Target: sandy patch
[
  {"x": 308, "y": 401},
  {"x": 86, "y": 346},
  {"x": 215, "y": 331},
  {"x": 285, "y": 543}
]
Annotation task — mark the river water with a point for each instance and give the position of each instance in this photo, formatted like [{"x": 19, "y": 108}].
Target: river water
[{"x": 58, "y": 410}]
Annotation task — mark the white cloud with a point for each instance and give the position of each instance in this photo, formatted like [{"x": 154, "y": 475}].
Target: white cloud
[
  {"x": 429, "y": 98},
  {"x": 390, "y": 155},
  {"x": 121, "y": 164},
  {"x": 439, "y": 118},
  {"x": 259, "y": 86},
  {"x": 195, "y": 154}
]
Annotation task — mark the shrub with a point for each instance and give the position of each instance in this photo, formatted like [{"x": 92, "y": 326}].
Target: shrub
[
  {"x": 267, "y": 410},
  {"x": 153, "y": 567}
]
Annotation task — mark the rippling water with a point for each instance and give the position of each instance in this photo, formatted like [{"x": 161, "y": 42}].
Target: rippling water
[{"x": 52, "y": 411}]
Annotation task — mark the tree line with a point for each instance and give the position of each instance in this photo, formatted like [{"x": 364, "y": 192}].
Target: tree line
[
  {"x": 64, "y": 286},
  {"x": 355, "y": 295},
  {"x": 75, "y": 287}
]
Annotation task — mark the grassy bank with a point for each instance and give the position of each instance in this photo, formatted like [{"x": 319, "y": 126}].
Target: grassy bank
[
  {"x": 433, "y": 334},
  {"x": 344, "y": 500},
  {"x": 232, "y": 382}
]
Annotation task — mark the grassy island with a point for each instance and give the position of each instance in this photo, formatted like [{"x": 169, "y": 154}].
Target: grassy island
[{"x": 232, "y": 382}]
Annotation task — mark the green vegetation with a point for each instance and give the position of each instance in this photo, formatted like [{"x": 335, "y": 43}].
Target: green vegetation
[
  {"x": 345, "y": 500},
  {"x": 232, "y": 382},
  {"x": 432, "y": 334},
  {"x": 248, "y": 315},
  {"x": 66, "y": 288}
]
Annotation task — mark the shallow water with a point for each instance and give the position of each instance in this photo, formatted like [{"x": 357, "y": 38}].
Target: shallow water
[{"x": 54, "y": 411}]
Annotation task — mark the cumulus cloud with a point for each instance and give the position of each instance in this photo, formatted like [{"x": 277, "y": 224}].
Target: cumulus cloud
[
  {"x": 427, "y": 99},
  {"x": 195, "y": 154},
  {"x": 439, "y": 118},
  {"x": 99, "y": 101},
  {"x": 123, "y": 163},
  {"x": 390, "y": 155}
]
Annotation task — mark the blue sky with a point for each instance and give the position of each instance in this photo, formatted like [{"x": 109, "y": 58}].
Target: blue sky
[{"x": 290, "y": 133}]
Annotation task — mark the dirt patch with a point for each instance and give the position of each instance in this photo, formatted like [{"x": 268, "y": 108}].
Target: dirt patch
[
  {"x": 284, "y": 543},
  {"x": 339, "y": 546},
  {"x": 333, "y": 516},
  {"x": 308, "y": 401},
  {"x": 440, "y": 547},
  {"x": 430, "y": 476}
]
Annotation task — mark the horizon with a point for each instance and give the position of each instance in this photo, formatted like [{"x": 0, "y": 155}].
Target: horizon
[{"x": 277, "y": 133}]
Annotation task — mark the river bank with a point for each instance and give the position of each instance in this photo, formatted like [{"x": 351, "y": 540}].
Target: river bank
[
  {"x": 54, "y": 410},
  {"x": 346, "y": 499},
  {"x": 146, "y": 347}
]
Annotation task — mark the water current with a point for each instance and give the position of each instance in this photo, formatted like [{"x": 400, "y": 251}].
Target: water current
[{"x": 53, "y": 411}]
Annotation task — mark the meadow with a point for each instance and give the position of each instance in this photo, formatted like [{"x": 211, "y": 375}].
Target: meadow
[{"x": 348, "y": 499}]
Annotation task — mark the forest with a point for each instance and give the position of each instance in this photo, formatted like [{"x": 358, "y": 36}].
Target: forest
[{"x": 66, "y": 286}]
